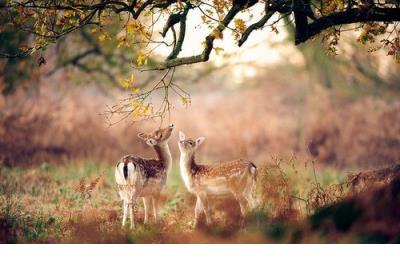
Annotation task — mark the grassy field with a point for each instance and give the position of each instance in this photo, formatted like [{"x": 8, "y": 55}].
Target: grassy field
[{"x": 44, "y": 204}]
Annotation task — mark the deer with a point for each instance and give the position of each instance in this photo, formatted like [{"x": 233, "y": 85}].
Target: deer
[
  {"x": 140, "y": 177},
  {"x": 237, "y": 178}
]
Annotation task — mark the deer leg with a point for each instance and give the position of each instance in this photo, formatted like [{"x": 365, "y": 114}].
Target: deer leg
[
  {"x": 197, "y": 212},
  {"x": 251, "y": 196},
  {"x": 155, "y": 207},
  {"x": 242, "y": 204},
  {"x": 146, "y": 203},
  {"x": 131, "y": 213},
  {"x": 125, "y": 210},
  {"x": 243, "y": 207},
  {"x": 206, "y": 208},
  {"x": 250, "y": 201}
]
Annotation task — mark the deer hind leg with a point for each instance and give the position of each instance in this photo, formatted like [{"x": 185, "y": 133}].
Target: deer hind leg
[
  {"x": 243, "y": 204},
  {"x": 250, "y": 194},
  {"x": 240, "y": 197},
  {"x": 125, "y": 211},
  {"x": 130, "y": 204},
  {"x": 243, "y": 208},
  {"x": 146, "y": 203},
  {"x": 155, "y": 207}
]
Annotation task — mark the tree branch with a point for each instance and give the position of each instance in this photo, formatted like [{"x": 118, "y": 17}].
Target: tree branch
[
  {"x": 353, "y": 15},
  {"x": 258, "y": 25},
  {"x": 209, "y": 41},
  {"x": 182, "y": 31}
]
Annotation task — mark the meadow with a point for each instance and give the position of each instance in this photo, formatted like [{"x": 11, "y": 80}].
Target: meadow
[{"x": 77, "y": 202}]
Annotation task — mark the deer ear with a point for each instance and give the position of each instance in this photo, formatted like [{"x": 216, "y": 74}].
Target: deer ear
[
  {"x": 142, "y": 136},
  {"x": 199, "y": 141},
  {"x": 151, "y": 142},
  {"x": 181, "y": 135}
]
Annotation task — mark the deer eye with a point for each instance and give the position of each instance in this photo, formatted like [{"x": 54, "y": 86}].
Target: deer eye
[{"x": 191, "y": 142}]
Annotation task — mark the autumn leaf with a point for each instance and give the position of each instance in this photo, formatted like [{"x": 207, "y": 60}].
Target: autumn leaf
[
  {"x": 240, "y": 25},
  {"x": 135, "y": 90},
  {"x": 185, "y": 101},
  {"x": 122, "y": 42},
  {"x": 127, "y": 83},
  {"x": 218, "y": 50},
  {"x": 102, "y": 37},
  {"x": 141, "y": 59},
  {"x": 124, "y": 83},
  {"x": 217, "y": 34},
  {"x": 139, "y": 109}
]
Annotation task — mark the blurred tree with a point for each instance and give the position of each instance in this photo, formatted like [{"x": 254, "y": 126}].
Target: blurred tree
[
  {"x": 360, "y": 69},
  {"x": 14, "y": 68}
]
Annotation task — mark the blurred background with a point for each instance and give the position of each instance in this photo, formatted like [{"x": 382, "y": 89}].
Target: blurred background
[
  {"x": 269, "y": 98},
  {"x": 304, "y": 117}
]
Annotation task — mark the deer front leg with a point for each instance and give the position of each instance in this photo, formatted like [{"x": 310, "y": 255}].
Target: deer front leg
[
  {"x": 155, "y": 207},
  {"x": 197, "y": 212},
  {"x": 146, "y": 203},
  {"x": 205, "y": 206}
]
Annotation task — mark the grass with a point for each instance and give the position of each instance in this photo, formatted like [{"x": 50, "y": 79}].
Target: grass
[{"x": 40, "y": 204}]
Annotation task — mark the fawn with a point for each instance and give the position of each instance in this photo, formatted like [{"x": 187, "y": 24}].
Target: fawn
[
  {"x": 139, "y": 177},
  {"x": 237, "y": 178}
]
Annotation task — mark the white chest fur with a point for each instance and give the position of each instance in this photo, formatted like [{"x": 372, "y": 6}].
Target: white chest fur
[{"x": 185, "y": 173}]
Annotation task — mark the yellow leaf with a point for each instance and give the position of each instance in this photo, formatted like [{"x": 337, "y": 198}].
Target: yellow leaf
[
  {"x": 94, "y": 30},
  {"x": 141, "y": 58},
  {"x": 217, "y": 34},
  {"x": 124, "y": 83},
  {"x": 102, "y": 37},
  {"x": 135, "y": 90},
  {"x": 127, "y": 83},
  {"x": 240, "y": 25},
  {"x": 218, "y": 50},
  {"x": 131, "y": 79},
  {"x": 185, "y": 100}
]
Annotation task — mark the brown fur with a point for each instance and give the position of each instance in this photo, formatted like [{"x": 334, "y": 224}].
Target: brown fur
[
  {"x": 150, "y": 175},
  {"x": 236, "y": 177}
]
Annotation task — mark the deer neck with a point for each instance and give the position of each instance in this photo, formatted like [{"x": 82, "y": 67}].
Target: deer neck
[
  {"x": 164, "y": 155},
  {"x": 187, "y": 166}
]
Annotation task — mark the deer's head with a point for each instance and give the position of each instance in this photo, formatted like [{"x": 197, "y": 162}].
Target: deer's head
[
  {"x": 188, "y": 146},
  {"x": 158, "y": 137}
]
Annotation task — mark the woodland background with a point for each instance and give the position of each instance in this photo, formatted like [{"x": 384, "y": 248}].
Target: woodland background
[{"x": 307, "y": 119}]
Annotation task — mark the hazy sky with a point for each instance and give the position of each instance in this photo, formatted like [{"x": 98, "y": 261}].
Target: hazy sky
[{"x": 260, "y": 48}]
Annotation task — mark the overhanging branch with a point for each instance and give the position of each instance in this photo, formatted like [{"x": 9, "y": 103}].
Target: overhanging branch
[
  {"x": 349, "y": 16},
  {"x": 258, "y": 25},
  {"x": 209, "y": 42}
]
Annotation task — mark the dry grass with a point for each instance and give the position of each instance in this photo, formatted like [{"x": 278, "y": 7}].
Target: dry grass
[{"x": 78, "y": 203}]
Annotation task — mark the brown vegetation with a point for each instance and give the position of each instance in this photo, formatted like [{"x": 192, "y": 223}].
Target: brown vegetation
[
  {"x": 364, "y": 180},
  {"x": 361, "y": 133}
]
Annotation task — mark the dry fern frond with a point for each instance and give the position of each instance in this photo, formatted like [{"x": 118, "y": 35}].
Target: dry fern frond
[
  {"x": 80, "y": 188},
  {"x": 84, "y": 190},
  {"x": 276, "y": 190},
  {"x": 92, "y": 185}
]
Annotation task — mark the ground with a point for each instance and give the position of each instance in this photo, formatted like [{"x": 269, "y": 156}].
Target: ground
[{"x": 77, "y": 202}]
